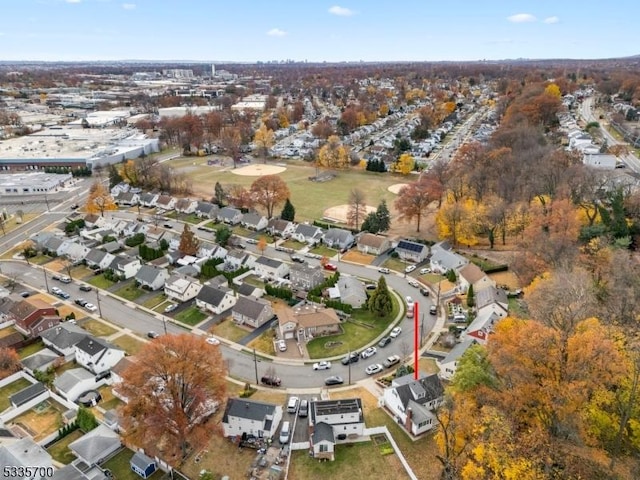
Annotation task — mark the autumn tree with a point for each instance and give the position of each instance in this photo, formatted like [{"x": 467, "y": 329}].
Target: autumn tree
[
  {"x": 231, "y": 141},
  {"x": 175, "y": 385},
  {"x": 114, "y": 176},
  {"x": 9, "y": 362},
  {"x": 357, "y": 207},
  {"x": 99, "y": 200},
  {"x": 288, "y": 211},
  {"x": 456, "y": 221},
  {"x": 240, "y": 197},
  {"x": 269, "y": 191},
  {"x": 404, "y": 164},
  {"x": 189, "y": 243},
  {"x": 264, "y": 138},
  {"x": 333, "y": 154},
  {"x": 262, "y": 245},
  {"x": 380, "y": 302},
  {"x": 414, "y": 199},
  {"x": 219, "y": 195}
]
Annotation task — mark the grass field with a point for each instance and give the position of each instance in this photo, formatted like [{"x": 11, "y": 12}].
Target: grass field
[
  {"x": 309, "y": 198},
  {"x": 121, "y": 469},
  {"x": 191, "y": 316},
  {"x": 44, "y": 422},
  {"x": 5, "y": 332},
  {"x": 294, "y": 244},
  {"x": 324, "y": 251},
  {"x": 108, "y": 401},
  {"x": 31, "y": 349},
  {"x": 8, "y": 390},
  {"x": 130, "y": 292},
  {"x": 99, "y": 329},
  {"x": 60, "y": 450},
  {"x": 154, "y": 301},
  {"x": 129, "y": 344},
  {"x": 264, "y": 343},
  {"x": 100, "y": 282},
  {"x": 229, "y": 330}
]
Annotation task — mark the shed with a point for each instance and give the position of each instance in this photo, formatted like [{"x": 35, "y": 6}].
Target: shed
[{"x": 143, "y": 465}]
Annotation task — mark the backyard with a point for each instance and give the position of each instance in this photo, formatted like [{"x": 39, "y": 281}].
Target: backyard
[
  {"x": 42, "y": 420},
  {"x": 121, "y": 469},
  {"x": 10, "y": 389},
  {"x": 31, "y": 349},
  {"x": 60, "y": 450}
]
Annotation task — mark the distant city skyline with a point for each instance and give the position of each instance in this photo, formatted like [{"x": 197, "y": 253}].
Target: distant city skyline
[{"x": 315, "y": 31}]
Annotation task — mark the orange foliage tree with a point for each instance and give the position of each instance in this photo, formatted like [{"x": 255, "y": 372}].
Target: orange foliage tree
[
  {"x": 414, "y": 198},
  {"x": 269, "y": 191},
  {"x": 99, "y": 200},
  {"x": 9, "y": 362}
]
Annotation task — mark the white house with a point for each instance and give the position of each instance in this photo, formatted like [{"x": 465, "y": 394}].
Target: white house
[
  {"x": 306, "y": 233},
  {"x": 412, "y": 401},
  {"x": 186, "y": 205},
  {"x": 471, "y": 274},
  {"x": 166, "y": 202},
  {"x": 99, "y": 259},
  {"x": 373, "y": 244},
  {"x": 63, "y": 338},
  {"x": 75, "y": 251},
  {"x": 493, "y": 298},
  {"x": 229, "y": 215},
  {"x": 253, "y": 418},
  {"x": 443, "y": 259},
  {"x": 449, "y": 364},
  {"x": 148, "y": 199},
  {"x": 152, "y": 277},
  {"x": 413, "y": 251},
  {"x": 482, "y": 326},
  {"x": 344, "y": 419},
  {"x": 74, "y": 382},
  {"x": 215, "y": 299},
  {"x": 281, "y": 228},
  {"x": 97, "y": 355},
  {"x": 272, "y": 268},
  {"x": 182, "y": 288},
  {"x": 125, "y": 266},
  {"x": 254, "y": 221},
  {"x": 96, "y": 445},
  {"x": 338, "y": 238}
]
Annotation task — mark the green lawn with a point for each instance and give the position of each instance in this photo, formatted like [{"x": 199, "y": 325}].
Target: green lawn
[
  {"x": 8, "y": 390},
  {"x": 154, "y": 301},
  {"x": 229, "y": 330},
  {"x": 242, "y": 232},
  {"x": 100, "y": 282},
  {"x": 355, "y": 335},
  {"x": 191, "y": 316},
  {"x": 483, "y": 263},
  {"x": 40, "y": 259},
  {"x": 324, "y": 251},
  {"x": 97, "y": 328},
  {"x": 130, "y": 292},
  {"x": 253, "y": 280},
  {"x": 294, "y": 244},
  {"x": 129, "y": 344},
  {"x": 60, "y": 450},
  {"x": 309, "y": 198},
  {"x": 5, "y": 332},
  {"x": 108, "y": 401},
  {"x": 396, "y": 264},
  {"x": 121, "y": 469},
  {"x": 189, "y": 218},
  {"x": 31, "y": 349}
]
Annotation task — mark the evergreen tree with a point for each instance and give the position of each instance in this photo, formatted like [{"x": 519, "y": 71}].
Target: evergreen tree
[
  {"x": 380, "y": 303},
  {"x": 223, "y": 233},
  {"x": 219, "y": 195},
  {"x": 471, "y": 298},
  {"x": 288, "y": 211},
  {"x": 370, "y": 223},
  {"x": 86, "y": 420},
  {"x": 382, "y": 216}
]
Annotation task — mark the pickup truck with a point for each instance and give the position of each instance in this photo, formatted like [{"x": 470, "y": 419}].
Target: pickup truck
[{"x": 391, "y": 361}]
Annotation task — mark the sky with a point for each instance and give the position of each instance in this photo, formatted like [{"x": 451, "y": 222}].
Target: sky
[{"x": 317, "y": 31}]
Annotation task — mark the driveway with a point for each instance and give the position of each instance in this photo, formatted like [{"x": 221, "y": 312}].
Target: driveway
[{"x": 255, "y": 334}]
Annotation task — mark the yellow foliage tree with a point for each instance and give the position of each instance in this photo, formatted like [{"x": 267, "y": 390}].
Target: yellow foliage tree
[
  {"x": 283, "y": 119},
  {"x": 129, "y": 172},
  {"x": 404, "y": 164},
  {"x": 553, "y": 89},
  {"x": 457, "y": 221},
  {"x": 264, "y": 138},
  {"x": 333, "y": 154},
  {"x": 99, "y": 200},
  {"x": 383, "y": 110}
]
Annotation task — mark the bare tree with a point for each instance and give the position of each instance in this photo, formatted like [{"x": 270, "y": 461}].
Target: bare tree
[{"x": 357, "y": 208}]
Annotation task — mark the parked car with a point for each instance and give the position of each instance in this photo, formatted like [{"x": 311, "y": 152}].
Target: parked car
[
  {"x": 424, "y": 271},
  {"x": 370, "y": 286},
  {"x": 424, "y": 292},
  {"x": 410, "y": 268},
  {"x": 323, "y": 365},
  {"x": 331, "y": 267},
  {"x": 433, "y": 309},
  {"x": 80, "y": 301},
  {"x": 167, "y": 225},
  {"x": 90, "y": 306},
  {"x": 85, "y": 288},
  {"x": 253, "y": 241},
  {"x": 391, "y": 361},
  {"x": 384, "y": 341},
  {"x": 284, "y": 432},
  {"x": 63, "y": 294},
  {"x": 373, "y": 369},
  {"x": 353, "y": 357},
  {"x": 213, "y": 341},
  {"x": 383, "y": 270},
  {"x": 55, "y": 277},
  {"x": 282, "y": 345},
  {"x": 297, "y": 259},
  {"x": 271, "y": 380},
  {"x": 413, "y": 283},
  {"x": 170, "y": 308},
  {"x": 303, "y": 410},
  {"x": 369, "y": 352},
  {"x": 334, "y": 380},
  {"x": 25, "y": 294},
  {"x": 152, "y": 334},
  {"x": 395, "y": 332},
  {"x": 55, "y": 290}
]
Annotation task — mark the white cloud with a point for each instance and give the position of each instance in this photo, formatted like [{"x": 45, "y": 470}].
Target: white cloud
[
  {"x": 129, "y": 6},
  {"x": 551, "y": 20},
  {"x": 521, "y": 18},
  {"x": 276, "y": 32},
  {"x": 341, "y": 11}
]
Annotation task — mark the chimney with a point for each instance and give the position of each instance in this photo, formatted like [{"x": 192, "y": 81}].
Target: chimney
[{"x": 407, "y": 422}]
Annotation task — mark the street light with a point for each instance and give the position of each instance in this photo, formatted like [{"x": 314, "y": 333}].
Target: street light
[{"x": 255, "y": 365}]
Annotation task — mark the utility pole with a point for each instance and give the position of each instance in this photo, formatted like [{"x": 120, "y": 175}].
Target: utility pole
[
  {"x": 255, "y": 365},
  {"x": 98, "y": 301},
  {"x": 46, "y": 282},
  {"x": 164, "y": 324},
  {"x": 349, "y": 357},
  {"x": 421, "y": 330}
]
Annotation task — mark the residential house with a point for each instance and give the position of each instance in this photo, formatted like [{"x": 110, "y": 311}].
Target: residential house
[
  {"x": 230, "y": 215},
  {"x": 236, "y": 259},
  {"x": 95, "y": 446},
  {"x": 116, "y": 375},
  {"x": 33, "y": 316},
  {"x": 307, "y": 322},
  {"x": 250, "y": 417},
  {"x": 249, "y": 290},
  {"x": 93, "y": 220},
  {"x": 111, "y": 247},
  {"x": 280, "y": 228},
  {"x": 63, "y": 338},
  {"x": 23, "y": 453},
  {"x": 215, "y": 299},
  {"x": 119, "y": 188},
  {"x": 412, "y": 402},
  {"x": 444, "y": 259},
  {"x": 41, "y": 360},
  {"x": 338, "y": 238},
  {"x": 211, "y": 250},
  {"x": 74, "y": 382},
  {"x": 125, "y": 266},
  {"x": 143, "y": 465},
  {"x": 40, "y": 239},
  {"x": 54, "y": 246},
  {"x": 74, "y": 251},
  {"x": 482, "y": 326},
  {"x": 254, "y": 221},
  {"x": 207, "y": 210},
  {"x": 334, "y": 419},
  {"x": 449, "y": 364},
  {"x": 373, "y": 244},
  {"x": 471, "y": 274},
  {"x": 186, "y": 206},
  {"x": 148, "y": 199},
  {"x": 252, "y": 312},
  {"x": 271, "y": 268},
  {"x": 493, "y": 298},
  {"x": 181, "y": 288},
  {"x": 127, "y": 199},
  {"x": 97, "y": 355},
  {"x": 27, "y": 394},
  {"x": 99, "y": 259},
  {"x": 165, "y": 202},
  {"x": 309, "y": 234},
  {"x": 412, "y": 251},
  {"x": 155, "y": 234},
  {"x": 305, "y": 277},
  {"x": 152, "y": 277},
  {"x": 351, "y": 291}
]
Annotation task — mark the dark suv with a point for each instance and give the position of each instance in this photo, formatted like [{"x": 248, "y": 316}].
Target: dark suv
[
  {"x": 271, "y": 380},
  {"x": 351, "y": 358}
]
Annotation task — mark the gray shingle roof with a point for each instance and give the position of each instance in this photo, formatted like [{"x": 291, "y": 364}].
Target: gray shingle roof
[
  {"x": 141, "y": 461},
  {"x": 40, "y": 359},
  {"x": 250, "y": 307},
  {"x": 24, "y": 452},
  {"x": 70, "y": 378},
  {"x": 456, "y": 352},
  {"x": 212, "y": 295},
  {"x": 26, "y": 394},
  {"x": 249, "y": 409},
  {"x": 96, "y": 444},
  {"x": 322, "y": 432},
  {"x": 269, "y": 262},
  {"x": 148, "y": 274},
  {"x": 64, "y": 336},
  {"x": 409, "y": 389},
  {"x": 93, "y": 345}
]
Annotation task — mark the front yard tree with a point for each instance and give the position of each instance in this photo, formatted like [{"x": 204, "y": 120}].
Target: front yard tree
[
  {"x": 223, "y": 233},
  {"x": 380, "y": 302},
  {"x": 357, "y": 207},
  {"x": 263, "y": 140},
  {"x": 383, "y": 217},
  {"x": 262, "y": 245},
  {"x": 288, "y": 211},
  {"x": 9, "y": 362},
  {"x": 189, "y": 243},
  {"x": 404, "y": 164},
  {"x": 99, "y": 200},
  {"x": 219, "y": 195},
  {"x": 269, "y": 191},
  {"x": 173, "y": 388}
]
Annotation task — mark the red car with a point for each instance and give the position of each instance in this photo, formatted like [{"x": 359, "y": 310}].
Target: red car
[{"x": 331, "y": 266}]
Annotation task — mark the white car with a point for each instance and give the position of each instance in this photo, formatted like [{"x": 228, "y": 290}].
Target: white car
[
  {"x": 424, "y": 271},
  {"x": 170, "y": 308},
  {"x": 324, "y": 365},
  {"x": 383, "y": 270},
  {"x": 213, "y": 341},
  {"x": 369, "y": 352},
  {"x": 410, "y": 269},
  {"x": 413, "y": 283},
  {"x": 91, "y": 307},
  {"x": 372, "y": 369},
  {"x": 282, "y": 345},
  {"x": 395, "y": 332}
]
